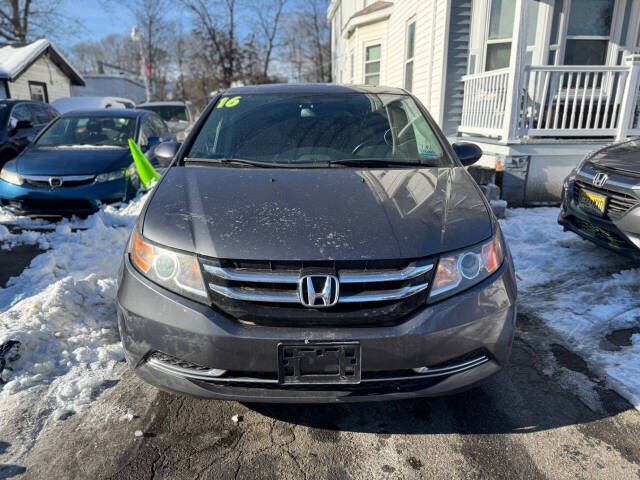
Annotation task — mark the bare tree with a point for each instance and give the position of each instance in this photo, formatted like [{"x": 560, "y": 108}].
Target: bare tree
[
  {"x": 307, "y": 39},
  {"x": 23, "y": 20},
  {"x": 269, "y": 14},
  {"x": 215, "y": 22},
  {"x": 116, "y": 50},
  {"x": 156, "y": 35}
]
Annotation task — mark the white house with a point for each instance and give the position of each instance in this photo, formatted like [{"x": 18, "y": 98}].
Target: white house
[
  {"x": 36, "y": 71},
  {"x": 536, "y": 83}
]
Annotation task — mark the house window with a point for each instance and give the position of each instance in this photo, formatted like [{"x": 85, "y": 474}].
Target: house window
[
  {"x": 408, "y": 64},
  {"x": 372, "y": 65},
  {"x": 588, "y": 32},
  {"x": 351, "y": 68},
  {"x": 500, "y": 32},
  {"x": 38, "y": 91}
]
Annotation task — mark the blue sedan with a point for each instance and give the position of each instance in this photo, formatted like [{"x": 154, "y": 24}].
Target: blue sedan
[{"x": 80, "y": 161}]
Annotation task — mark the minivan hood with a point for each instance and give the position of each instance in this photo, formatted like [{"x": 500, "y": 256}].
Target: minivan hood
[
  {"x": 620, "y": 156},
  {"x": 72, "y": 161},
  {"x": 316, "y": 214}
]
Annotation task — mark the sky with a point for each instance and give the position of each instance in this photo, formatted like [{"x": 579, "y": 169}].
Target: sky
[{"x": 99, "y": 22}]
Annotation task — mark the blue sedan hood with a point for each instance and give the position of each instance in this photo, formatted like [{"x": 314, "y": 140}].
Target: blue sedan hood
[{"x": 72, "y": 161}]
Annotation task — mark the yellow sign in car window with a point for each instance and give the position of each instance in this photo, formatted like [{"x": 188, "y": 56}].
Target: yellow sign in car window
[{"x": 226, "y": 102}]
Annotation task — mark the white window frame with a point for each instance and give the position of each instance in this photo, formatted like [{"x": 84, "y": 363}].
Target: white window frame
[
  {"x": 485, "y": 40},
  {"x": 366, "y": 45},
  {"x": 614, "y": 43},
  {"x": 407, "y": 60}
]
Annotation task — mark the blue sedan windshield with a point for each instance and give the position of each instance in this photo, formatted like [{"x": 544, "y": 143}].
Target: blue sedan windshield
[{"x": 90, "y": 130}]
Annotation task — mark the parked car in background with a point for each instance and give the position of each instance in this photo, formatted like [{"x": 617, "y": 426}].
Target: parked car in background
[
  {"x": 317, "y": 243},
  {"x": 20, "y": 122},
  {"x": 601, "y": 198},
  {"x": 81, "y": 161},
  {"x": 68, "y": 104},
  {"x": 180, "y": 116}
]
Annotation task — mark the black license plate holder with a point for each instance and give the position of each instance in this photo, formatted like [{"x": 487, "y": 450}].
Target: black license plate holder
[{"x": 319, "y": 363}]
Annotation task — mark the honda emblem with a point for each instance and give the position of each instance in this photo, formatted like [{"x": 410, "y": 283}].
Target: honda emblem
[
  {"x": 318, "y": 291},
  {"x": 600, "y": 179}
]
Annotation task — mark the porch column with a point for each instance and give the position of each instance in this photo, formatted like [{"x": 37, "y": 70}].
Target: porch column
[
  {"x": 518, "y": 45},
  {"x": 629, "y": 98}
]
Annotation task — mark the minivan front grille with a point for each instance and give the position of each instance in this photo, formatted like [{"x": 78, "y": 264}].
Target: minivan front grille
[{"x": 268, "y": 292}]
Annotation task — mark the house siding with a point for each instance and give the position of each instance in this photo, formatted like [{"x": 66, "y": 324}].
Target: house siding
[
  {"x": 457, "y": 58},
  {"x": 363, "y": 37},
  {"x": 429, "y": 68},
  {"x": 45, "y": 71}
]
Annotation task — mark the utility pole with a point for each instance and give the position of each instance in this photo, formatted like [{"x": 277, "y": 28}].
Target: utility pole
[{"x": 135, "y": 36}]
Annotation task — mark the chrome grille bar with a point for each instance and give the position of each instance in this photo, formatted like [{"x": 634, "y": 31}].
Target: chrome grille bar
[
  {"x": 253, "y": 295},
  {"x": 394, "y": 276},
  {"x": 383, "y": 295},
  {"x": 249, "y": 276}
]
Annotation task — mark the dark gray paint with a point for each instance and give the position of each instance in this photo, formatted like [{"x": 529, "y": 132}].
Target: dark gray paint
[
  {"x": 316, "y": 214},
  {"x": 619, "y": 156}
]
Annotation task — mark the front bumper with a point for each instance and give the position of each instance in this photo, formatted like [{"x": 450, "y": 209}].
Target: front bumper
[
  {"x": 31, "y": 200},
  {"x": 621, "y": 236},
  {"x": 482, "y": 319}
]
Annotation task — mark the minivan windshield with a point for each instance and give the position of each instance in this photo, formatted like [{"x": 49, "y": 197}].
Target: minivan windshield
[
  {"x": 318, "y": 129},
  {"x": 105, "y": 131}
]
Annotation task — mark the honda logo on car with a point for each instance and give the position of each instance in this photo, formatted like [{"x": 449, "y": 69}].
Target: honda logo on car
[
  {"x": 600, "y": 179},
  {"x": 55, "y": 182},
  {"x": 317, "y": 291}
]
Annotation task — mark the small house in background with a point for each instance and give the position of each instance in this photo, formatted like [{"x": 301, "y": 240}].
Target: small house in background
[
  {"x": 36, "y": 71},
  {"x": 108, "y": 85}
]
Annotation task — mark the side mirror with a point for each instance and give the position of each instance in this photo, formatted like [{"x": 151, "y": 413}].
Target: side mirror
[
  {"x": 16, "y": 126},
  {"x": 468, "y": 153},
  {"x": 166, "y": 151}
]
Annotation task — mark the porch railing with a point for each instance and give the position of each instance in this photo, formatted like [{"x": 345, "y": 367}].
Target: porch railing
[
  {"x": 484, "y": 104},
  {"x": 567, "y": 101},
  {"x": 554, "y": 101}
]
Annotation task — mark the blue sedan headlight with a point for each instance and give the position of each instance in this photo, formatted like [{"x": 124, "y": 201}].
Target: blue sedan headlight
[
  {"x": 12, "y": 177},
  {"x": 111, "y": 176}
]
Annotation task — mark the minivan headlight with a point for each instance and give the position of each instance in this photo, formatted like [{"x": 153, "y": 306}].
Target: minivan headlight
[
  {"x": 178, "y": 272},
  {"x": 460, "y": 270},
  {"x": 11, "y": 177}
]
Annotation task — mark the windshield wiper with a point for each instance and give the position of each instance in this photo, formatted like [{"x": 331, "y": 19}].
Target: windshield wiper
[
  {"x": 234, "y": 161},
  {"x": 379, "y": 162}
]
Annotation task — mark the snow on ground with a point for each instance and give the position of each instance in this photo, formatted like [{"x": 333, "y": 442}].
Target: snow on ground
[
  {"x": 62, "y": 311},
  {"x": 581, "y": 291}
]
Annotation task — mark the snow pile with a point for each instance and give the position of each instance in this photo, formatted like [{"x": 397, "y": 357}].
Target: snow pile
[
  {"x": 580, "y": 290},
  {"x": 62, "y": 312}
]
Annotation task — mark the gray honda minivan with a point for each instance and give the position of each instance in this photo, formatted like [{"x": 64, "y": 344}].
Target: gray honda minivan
[{"x": 316, "y": 243}]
